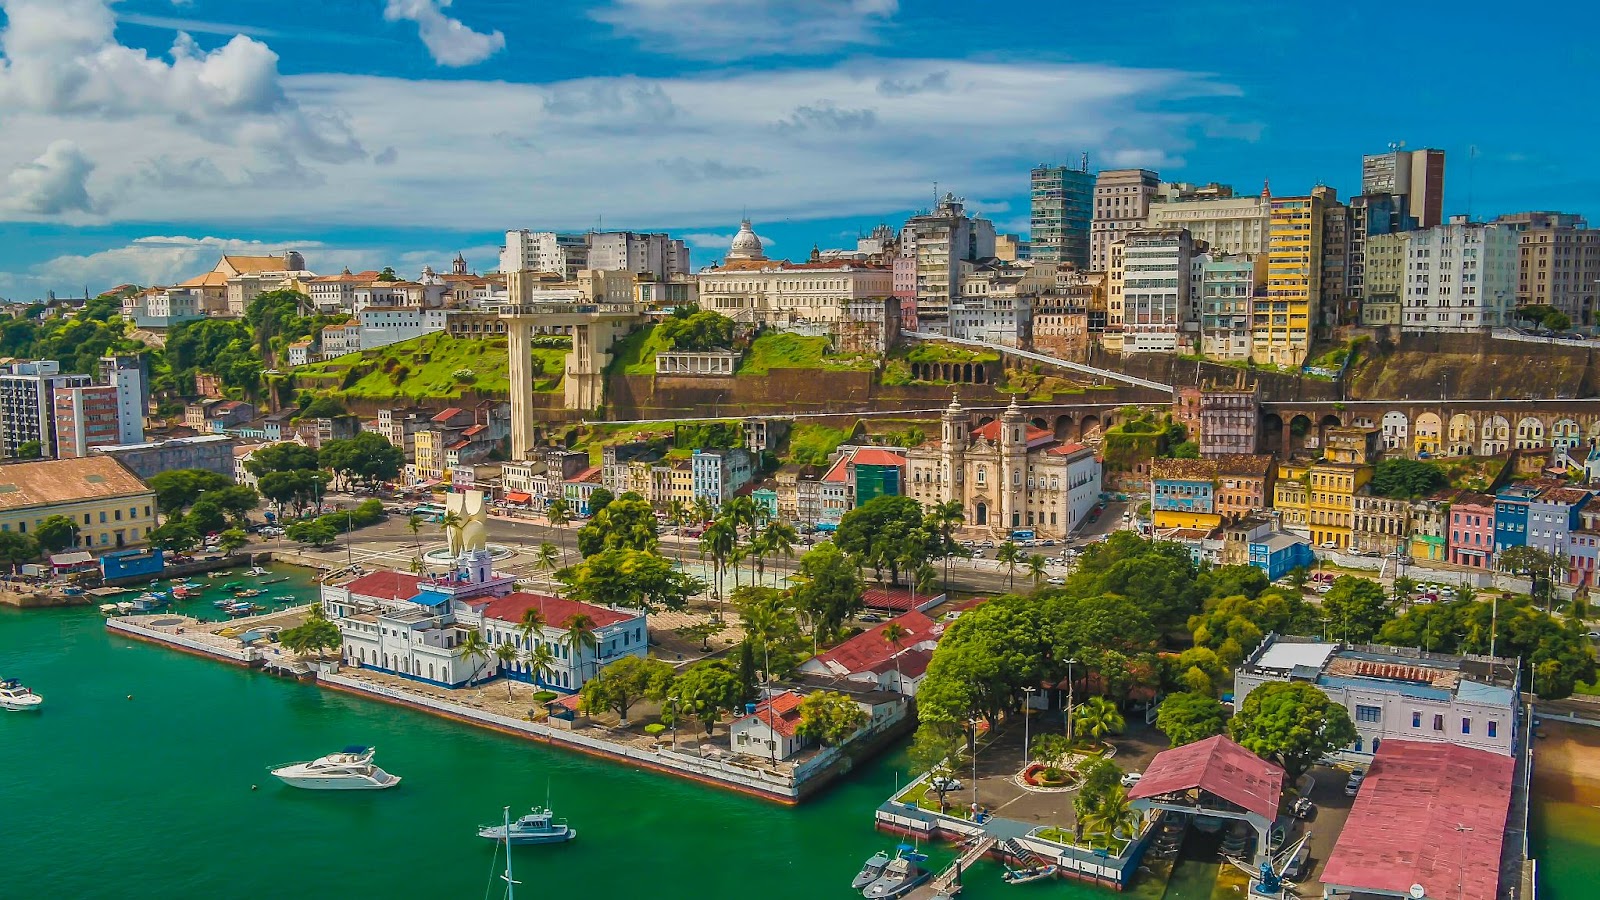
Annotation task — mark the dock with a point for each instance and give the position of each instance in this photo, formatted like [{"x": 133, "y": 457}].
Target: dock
[{"x": 948, "y": 882}]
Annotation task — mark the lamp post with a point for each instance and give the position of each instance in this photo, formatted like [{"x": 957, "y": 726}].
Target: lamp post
[
  {"x": 1071, "y": 661},
  {"x": 1027, "y": 715},
  {"x": 349, "y": 527},
  {"x": 1461, "y": 870},
  {"x": 674, "y": 702}
]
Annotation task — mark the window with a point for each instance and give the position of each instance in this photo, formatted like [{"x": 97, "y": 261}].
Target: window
[
  {"x": 1368, "y": 713},
  {"x": 1466, "y": 726},
  {"x": 1438, "y": 723},
  {"x": 1416, "y": 720},
  {"x": 1494, "y": 728}
]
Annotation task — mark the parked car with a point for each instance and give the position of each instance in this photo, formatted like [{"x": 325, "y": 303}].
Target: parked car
[
  {"x": 943, "y": 783},
  {"x": 1131, "y": 779},
  {"x": 871, "y": 617},
  {"x": 1058, "y": 580},
  {"x": 1353, "y": 785}
]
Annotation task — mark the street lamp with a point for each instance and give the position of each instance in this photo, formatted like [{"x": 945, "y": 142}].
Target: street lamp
[
  {"x": 1071, "y": 661},
  {"x": 1461, "y": 871},
  {"x": 674, "y": 702},
  {"x": 1027, "y": 716}
]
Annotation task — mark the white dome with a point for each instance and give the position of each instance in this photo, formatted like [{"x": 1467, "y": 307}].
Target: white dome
[{"x": 745, "y": 244}]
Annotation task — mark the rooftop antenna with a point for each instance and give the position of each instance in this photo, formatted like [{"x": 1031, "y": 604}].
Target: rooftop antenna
[
  {"x": 1084, "y": 161},
  {"x": 1472, "y": 165}
]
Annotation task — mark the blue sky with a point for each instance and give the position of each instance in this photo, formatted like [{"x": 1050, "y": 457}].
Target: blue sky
[{"x": 145, "y": 137}]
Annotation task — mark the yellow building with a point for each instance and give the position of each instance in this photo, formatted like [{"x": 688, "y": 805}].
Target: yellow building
[
  {"x": 1183, "y": 494},
  {"x": 640, "y": 482},
  {"x": 429, "y": 454},
  {"x": 682, "y": 482},
  {"x": 1318, "y": 498},
  {"x": 110, "y": 505},
  {"x": 1280, "y": 322}
]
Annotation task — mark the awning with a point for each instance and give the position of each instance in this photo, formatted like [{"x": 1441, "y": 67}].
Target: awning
[
  {"x": 518, "y": 497},
  {"x": 64, "y": 560}
]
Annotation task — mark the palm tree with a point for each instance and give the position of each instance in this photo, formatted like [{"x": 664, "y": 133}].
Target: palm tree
[
  {"x": 507, "y": 656},
  {"x": 1098, "y": 717},
  {"x": 532, "y": 626},
  {"x": 580, "y": 638},
  {"x": 1404, "y": 587},
  {"x": 541, "y": 662},
  {"x": 677, "y": 513},
  {"x": 475, "y": 650},
  {"x": 893, "y": 634},
  {"x": 545, "y": 559},
  {"x": 1113, "y": 814},
  {"x": 777, "y": 538},
  {"x": 414, "y": 522},
  {"x": 1036, "y": 568},
  {"x": 558, "y": 513},
  {"x": 451, "y": 520},
  {"x": 946, "y": 516},
  {"x": 719, "y": 540},
  {"x": 702, "y": 510},
  {"x": 1009, "y": 555}
]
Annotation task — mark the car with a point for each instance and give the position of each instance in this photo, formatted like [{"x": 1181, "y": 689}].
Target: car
[
  {"x": 943, "y": 783},
  {"x": 1354, "y": 783},
  {"x": 1330, "y": 545},
  {"x": 1131, "y": 779},
  {"x": 1059, "y": 580},
  {"x": 871, "y": 617},
  {"x": 1594, "y": 635}
]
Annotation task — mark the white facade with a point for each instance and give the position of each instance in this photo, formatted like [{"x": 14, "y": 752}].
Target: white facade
[
  {"x": 1460, "y": 276},
  {"x": 1232, "y": 225},
  {"x": 28, "y": 404},
  {"x": 940, "y": 242},
  {"x": 617, "y": 634},
  {"x": 338, "y": 340},
  {"x": 644, "y": 254},
  {"x": 780, "y": 292},
  {"x": 126, "y": 374},
  {"x": 1121, "y": 204},
  {"x": 1396, "y": 693},
  {"x": 545, "y": 251},
  {"x": 385, "y": 325},
  {"x": 718, "y": 473},
  {"x": 996, "y": 303},
  {"x": 1149, "y": 292}
]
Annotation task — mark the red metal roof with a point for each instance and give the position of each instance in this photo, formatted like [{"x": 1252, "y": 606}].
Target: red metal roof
[
  {"x": 1219, "y": 767},
  {"x": 868, "y": 649},
  {"x": 1405, "y": 826},
  {"x": 509, "y": 609},
  {"x": 876, "y": 456},
  {"x": 910, "y": 664},
  {"x": 385, "y": 586},
  {"x": 990, "y": 431},
  {"x": 781, "y": 713},
  {"x": 894, "y": 598},
  {"x": 447, "y": 415}
]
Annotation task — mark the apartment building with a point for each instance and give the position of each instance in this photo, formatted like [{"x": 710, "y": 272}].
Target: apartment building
[
  {"x": 1121, "y": 204},
  {"x": 28, "y": 404},
  {"x": 1226, "y": 292},
  {"x": 1149, "y": 294},
  {"x": 1460, "y": 277},
  {"x": 940, "y": 242},
  {"x": 1062, "y": 212},
  {"x": 1558, "y": 263},
  {"x": 1229, "y": 225},
  {"x": 1280, "y": 325}
]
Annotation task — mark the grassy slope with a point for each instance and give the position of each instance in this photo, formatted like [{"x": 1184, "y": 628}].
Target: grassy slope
[
  {"x": 444, "y": 354},
  {"x": 814, "y": 442},
  {"x": 781, "y": 350},
  {"x": 636, "y": 353}
]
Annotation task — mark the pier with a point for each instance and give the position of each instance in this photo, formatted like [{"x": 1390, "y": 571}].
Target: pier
[{"x": 948, "y": 882}]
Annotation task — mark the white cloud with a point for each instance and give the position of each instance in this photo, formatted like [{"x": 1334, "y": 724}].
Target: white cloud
[
  {"x": 721, "y": 242},
  {"x": 449, "y": 41},
  {"x": 739, "y": 29},
  {"x": 54, "y": 184}
]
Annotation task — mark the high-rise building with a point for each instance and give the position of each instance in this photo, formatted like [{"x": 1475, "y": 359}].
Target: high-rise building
[
  {"x": 1228, "y": 285},
  {"x": 1121, "y": 204},
  {"x": 656, "y": 255},
  {"x": 1416, "y": 175},
  {"x": 1460, "y": 276},
  {"x": 28, "y": 404},
  {"x": 1385, "y": 278},
  {"x": 1063, "y": 210},
  {"x": 1335, "y": 305},
  {"x": 86, "y": 417},
  {"x": 545, "y": 251},
  {"x": 1558, "y": 263},
  {"x": 1226, "y": 225},
  {"x": 941, "y": 241},
  {"x": 1150, "y": 289},
  {"x": 1280, "y": 323},
  {"x": 126, "y": 375}
]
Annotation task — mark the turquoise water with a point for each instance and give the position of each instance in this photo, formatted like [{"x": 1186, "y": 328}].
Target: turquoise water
[{"x": 105, "y": 796}]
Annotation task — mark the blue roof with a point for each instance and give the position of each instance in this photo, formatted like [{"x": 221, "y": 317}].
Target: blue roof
[
  {"x": 1487, "y": 694},
  {"x": 1403, "y": 688}
]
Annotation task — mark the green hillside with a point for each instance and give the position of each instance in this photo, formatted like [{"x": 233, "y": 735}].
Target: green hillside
[{"x": 431, "y": 366}]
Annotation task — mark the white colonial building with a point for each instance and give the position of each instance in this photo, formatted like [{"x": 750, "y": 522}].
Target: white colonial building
[
  {"x": 1397, "y": 692},
  {"x": 748, "y": 287},
  {"x": 1007, "y": 474},
  {"x": 1461, "y": 276}
]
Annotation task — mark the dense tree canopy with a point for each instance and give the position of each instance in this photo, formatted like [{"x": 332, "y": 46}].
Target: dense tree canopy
[
  {"x": 1235, "y": 625},
  {"x": 1293, "y": 723},
  {"x": 56, "y": 533},
  {"x": 830, "y": 718},
  {"x": 367, "y": 458},
  {"x": 829, "y": 588},
  {"x": 632, "y": 578},
  {"x": 888, "y": 532},
  {"x": 691, "y": 328},
  {"x": 285, "y": 456},
  {"x": 1355, "y": 608},
  {"x": 1407, "y": 478},
  {"x": 705, "y": 691},
  {"x": 177, "y": 489},
  {"x": 622, "y": 683},
  {"x": 1556, "y": 651},
  {"x": 1185, "y": 718},
  {"x": 626, "y": 523}
]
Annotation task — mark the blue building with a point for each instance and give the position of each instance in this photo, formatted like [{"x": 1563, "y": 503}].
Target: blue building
[
  {"x": 1281, "y": 553},
  {"x": 1511, "y": 515},
  {"x": 1553, "y": 515},
  {"x": 718, "y": 473},
  {"x": 132, "y": 564}
]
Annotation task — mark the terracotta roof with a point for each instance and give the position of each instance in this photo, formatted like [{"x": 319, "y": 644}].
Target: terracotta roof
[
  {"x": 252, "y": 264},
  {"x": 1467, "y": 498},
  {"x": 836, "y": 471},
  {"x": 556, "y": 610},
  {"x": 385, "y": 586},
  {"x": 1566, "y": 496},
  {"x": 475, "y": 429},
  {"x": 781, "y": 713},
  {"x": 910, "y": 663},
  {"x": 990, "y": 431},
  {"x": 1184, "y": 469},
  {"x": 447, "y": 415},
  {"x": 1428, "y": 813},
  {"x": 876, "y": 456},
  {"x": 1219, "y": 767},
  {"x": 1067, "y": 449},
  {"x": 209, "y": 279},
  {"x": 52, "y": 481},
  {"x": 590, "y": 474},
  {"x": 1255, "y": 465},
  {"x": 868, "y": 649}
]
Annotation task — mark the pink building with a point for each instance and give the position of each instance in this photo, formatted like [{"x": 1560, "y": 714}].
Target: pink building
[
  {"x": 905, "y": 287},
  {"x": 1472, "y": 531}
]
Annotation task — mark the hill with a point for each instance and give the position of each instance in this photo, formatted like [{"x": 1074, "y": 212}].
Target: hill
[{"x": 434, "y": 366}]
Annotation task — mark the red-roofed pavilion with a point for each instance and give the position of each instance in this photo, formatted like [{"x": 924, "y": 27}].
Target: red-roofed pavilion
[{"x": 1214, "y": 777}]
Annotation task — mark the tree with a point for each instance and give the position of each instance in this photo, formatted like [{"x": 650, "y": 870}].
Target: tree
[
  {"x": 1036, "y": 569},
  {"x": 630, "y": 578},
  {"x": 1113, "y": 815},
  {"x": 176, "y": 536},
  {"x": 626, "y": 523},
  {"x": 558, "y": 513},
  {"x": 937, "y": 749},
  {"x": 531, "y": 626},
  {"x": 1407, "y": 478},
  {"x": 1355, "y": 608},
  {"x": 206, "y": 517},
  {"x": 1049, "y": 749},
  {"x": 1292, "y": 722},
  {"x": 829, "y": 589},
  {"x": 894, "y": 634},
  {"x": 944, "y": 518},
  {"x": 776, "y": 539},
  {"x": 315, "y": 634},
  {"x": 232, "y": 540},
  {"x": 56, "y": 533},
  {"x": 30, "y": 450},
  {"x": 507, "y": 656},
  {"x": 313, "y": 532},
  {"x": 1097, "y": 717},
  {"x": 16, "y": 547},
  {"x": 696, "y": 330},
  {"x": 236, "y": 501},
  {"x": 830, "y": 718},
  {"x": 475, "y": 651},
  {"x": 1009, "y": 555},
  {"x": 706, "y": 690},
  {"x": 322, "y": 407},
  {"x": 286, "y": 456},
  {"x": 1099, "y": 780},
  {"x": 580, "y": 640},
  {"x": 368, "y": 458},
  {"x": 177, "y": 489},
  {"x": 298, "y": 488},
  {"x": 885, "y": 533},
  {"x": 702, "y": 632},
  {"x": 599, "y": 499},
  {"x": 1186, "y": 717},
  {"x": 1235, "y": 625},
  {"x": 541, "y": 662},
  {"x": 1538, "y": 565},
  {"x": 546, "y": 558},
  {"x": 720, "y": 540}
]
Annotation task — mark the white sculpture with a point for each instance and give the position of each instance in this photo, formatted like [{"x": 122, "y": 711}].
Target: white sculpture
[{"x": 470, "y": 533}]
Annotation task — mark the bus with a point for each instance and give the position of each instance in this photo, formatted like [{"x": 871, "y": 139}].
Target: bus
[{"x": 428, "y": 512}]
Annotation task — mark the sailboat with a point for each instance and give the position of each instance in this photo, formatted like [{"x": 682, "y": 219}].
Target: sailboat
[{"x": 510, "y": 881}]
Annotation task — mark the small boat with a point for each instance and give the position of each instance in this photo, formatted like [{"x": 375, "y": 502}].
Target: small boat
[
  {"x": 257, "y": 571},
  {"x": 124, "y": 607},
  {"x": 871, "y": 870},
  {"x": 275, "y": 580},
  {"x": 1033, "y": 873},
  {"x": 351, "y": 769},
  {"x": 900, "y": 877},
  {"x": 233, "y": 585},
  {"x": 909, "y": 851},
  {"x": 537, "y": 827},
  {"x": 16, "y": 698},
  {"x": 108, "y": 609},
  {"x": 248, "y": 592},
  {"x": 224, "y": 603},
  {"x": 241, "y": 609},
  {"x": 146, "y": 603},
  {"x": 159, "y": 595},
  {"x": 180, "y": 593}
]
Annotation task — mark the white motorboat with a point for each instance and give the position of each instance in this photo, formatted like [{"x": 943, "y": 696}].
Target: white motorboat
[
  {"x": 899, "y": 878},
  {"x": 16, "y": 698},
  {"x": 538, "y": 827},
  {"x": 351, "y": 769},
  {"x": 871, "y": 870}
]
